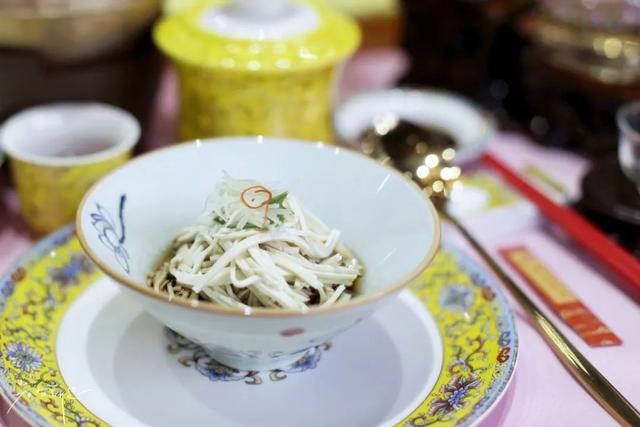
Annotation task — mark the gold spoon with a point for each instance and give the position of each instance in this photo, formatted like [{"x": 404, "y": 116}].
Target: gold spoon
[{"x": 426, "y": 156}]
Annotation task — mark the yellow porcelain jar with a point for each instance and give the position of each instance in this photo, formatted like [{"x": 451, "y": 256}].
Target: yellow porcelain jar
[{"x": 257, "y": 67}]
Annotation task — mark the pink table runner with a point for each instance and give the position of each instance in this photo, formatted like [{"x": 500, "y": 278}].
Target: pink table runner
[{"x": 542, "y": 392}]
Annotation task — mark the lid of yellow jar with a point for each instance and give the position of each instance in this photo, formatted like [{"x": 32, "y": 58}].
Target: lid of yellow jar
[{"x": 258, "y": 35}]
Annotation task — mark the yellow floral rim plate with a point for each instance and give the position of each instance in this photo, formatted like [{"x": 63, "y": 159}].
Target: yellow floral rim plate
[{"x": 73, "y": 351}]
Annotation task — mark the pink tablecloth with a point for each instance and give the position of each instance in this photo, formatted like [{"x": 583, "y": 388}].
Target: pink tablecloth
[{"x": 542, "y": 392}]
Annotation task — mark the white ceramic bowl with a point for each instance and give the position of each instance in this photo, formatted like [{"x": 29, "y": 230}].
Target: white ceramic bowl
[{"x": 129, "y": 218}]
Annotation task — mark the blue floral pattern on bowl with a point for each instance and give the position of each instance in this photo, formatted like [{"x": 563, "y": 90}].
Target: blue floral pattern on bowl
[
  {"x": 111, "y": 237},
  {"x": 193, "y": 355}
]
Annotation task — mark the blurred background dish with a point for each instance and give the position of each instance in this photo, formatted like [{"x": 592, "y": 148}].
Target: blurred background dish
[
  {"x": 610, "y": 195},
  {"x": 611, "y": 188},
  {"x": 492, "y": 52},
  {"x": 466, "y": 123},
  {"x": 73, "y": 50},
  {"x": 610, "y": 15},
  {"x": 74, "y": 29},
  {"x": 629, "y": 141},
  {"x": 598, "y": 39}
]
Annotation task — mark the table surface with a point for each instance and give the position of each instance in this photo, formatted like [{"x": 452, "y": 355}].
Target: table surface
[{"x": 542, "y": 391}]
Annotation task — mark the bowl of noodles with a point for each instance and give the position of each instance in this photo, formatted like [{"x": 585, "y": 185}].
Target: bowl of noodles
[{"x": 258, "y": 249}]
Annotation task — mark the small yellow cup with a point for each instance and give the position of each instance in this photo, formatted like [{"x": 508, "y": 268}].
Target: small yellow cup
[{"x": 57, "y": 151}]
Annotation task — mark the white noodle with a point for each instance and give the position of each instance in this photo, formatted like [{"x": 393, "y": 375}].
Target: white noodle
[{"x": 257, "y": 247}]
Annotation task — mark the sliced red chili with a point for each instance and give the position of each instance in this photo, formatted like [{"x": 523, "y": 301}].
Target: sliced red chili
[{"x": 258, "y": 189}]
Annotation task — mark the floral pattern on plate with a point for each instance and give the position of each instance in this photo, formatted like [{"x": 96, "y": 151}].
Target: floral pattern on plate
[
  {"x": 33, "y": 299},
  {"x": 479, "y": 340}
]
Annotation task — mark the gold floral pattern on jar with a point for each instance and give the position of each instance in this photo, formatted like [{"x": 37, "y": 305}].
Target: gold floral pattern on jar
[{"x": 295, "y": 105}]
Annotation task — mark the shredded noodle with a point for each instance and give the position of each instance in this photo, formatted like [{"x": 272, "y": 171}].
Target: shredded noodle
[{"x": 254, "y": 247}]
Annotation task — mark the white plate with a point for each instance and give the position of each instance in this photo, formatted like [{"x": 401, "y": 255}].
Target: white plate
[{"x": 115, "y": 356}]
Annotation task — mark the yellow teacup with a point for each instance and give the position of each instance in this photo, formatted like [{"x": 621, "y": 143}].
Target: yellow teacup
[{"x": 57, "y": 151}]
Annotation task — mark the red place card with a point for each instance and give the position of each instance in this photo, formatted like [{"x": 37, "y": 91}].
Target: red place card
[{"x": 560, "y": 298}]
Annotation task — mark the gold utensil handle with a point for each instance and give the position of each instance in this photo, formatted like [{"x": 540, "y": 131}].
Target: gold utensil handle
[{"x": 579, "y": 366}]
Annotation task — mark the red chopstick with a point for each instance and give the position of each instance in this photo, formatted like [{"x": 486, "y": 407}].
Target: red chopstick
[{"x": 592, "y": 240}]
